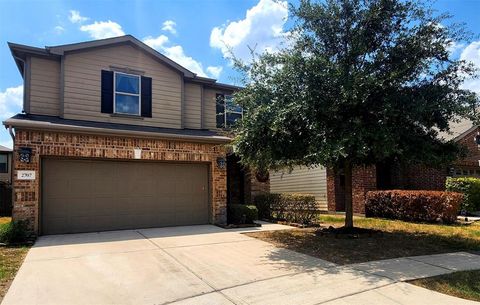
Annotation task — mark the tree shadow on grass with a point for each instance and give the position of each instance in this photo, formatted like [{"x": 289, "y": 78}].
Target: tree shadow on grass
[{"x": 379, "y": 246}]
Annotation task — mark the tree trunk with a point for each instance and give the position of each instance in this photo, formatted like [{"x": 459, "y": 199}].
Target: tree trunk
[{"x": 347, "y": 168}]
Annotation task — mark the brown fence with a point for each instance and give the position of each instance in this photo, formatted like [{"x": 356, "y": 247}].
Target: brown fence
[{"x": 5, "y": 199}]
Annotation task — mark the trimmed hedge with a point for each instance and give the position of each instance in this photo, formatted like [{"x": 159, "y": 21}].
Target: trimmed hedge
[
  {"x": 292, "y": 207},
  {"x": 422, "y": 206},
  {"x": 13, "y": 232},
  {"x": 470, "y": 188},
  {"x": 242, "y": 214}
]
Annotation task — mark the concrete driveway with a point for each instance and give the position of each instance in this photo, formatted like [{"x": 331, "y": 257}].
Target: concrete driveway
[{"x": 192, "y": 265}]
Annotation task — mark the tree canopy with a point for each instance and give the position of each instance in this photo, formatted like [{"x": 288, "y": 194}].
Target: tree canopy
[{"x": 358, "y": 81}]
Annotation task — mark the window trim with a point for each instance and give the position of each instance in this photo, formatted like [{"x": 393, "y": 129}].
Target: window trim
[
  {"x": 225, "y": 111},
  {"x": 126, "y": 93},
  {"x": 7, "y": 170}
]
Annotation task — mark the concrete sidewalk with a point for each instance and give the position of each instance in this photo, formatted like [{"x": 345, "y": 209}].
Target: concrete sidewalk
[
  {"x": 416, "y": 267},
  {"x": 209, "y": 265}
]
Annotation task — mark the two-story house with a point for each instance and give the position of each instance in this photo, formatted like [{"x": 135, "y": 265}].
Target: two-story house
[{"x": 114, "y": 135}]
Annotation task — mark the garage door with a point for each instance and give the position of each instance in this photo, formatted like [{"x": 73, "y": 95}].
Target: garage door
[{"x": 88, "y": 196}]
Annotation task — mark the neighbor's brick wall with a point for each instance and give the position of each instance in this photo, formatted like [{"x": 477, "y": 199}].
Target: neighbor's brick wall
[
  {"x": 420, "y": 177},
  {"x": 413, "y": 177},
  {"x": 44, "y": 144},
  {"x": 332, "y": 190},
  {"x": 473, "y": 155},
  {"x": 364, "y": 179},
  {"x": 335, "y": 192}
]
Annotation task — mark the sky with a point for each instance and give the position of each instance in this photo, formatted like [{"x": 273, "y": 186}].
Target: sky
[{"x": 199, "y": 35}]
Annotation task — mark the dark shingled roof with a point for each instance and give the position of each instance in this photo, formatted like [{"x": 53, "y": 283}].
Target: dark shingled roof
[{"x": 116, "y": 126}]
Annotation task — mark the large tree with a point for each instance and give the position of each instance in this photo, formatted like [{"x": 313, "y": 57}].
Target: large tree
[{"x": 358, "y": 82}]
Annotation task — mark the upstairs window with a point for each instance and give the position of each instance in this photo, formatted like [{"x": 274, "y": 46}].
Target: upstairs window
[
  {"x": 3, "y": 163},
  {"x": 127, "y": 94},
  {"x": 228, "y": 112}
]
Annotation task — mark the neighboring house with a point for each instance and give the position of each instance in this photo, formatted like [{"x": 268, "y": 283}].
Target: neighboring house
[
  {"x": 115, "y": 135},
  {"x": 5, "y": 164},
  {"x": 381, "y": 176},
  {"x": 302, "y": 180}
]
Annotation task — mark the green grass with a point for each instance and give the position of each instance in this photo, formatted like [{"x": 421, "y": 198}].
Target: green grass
[
  {"x": 394, "y": 239},
  {"x": 463, "y": 231},
  {"x": 11, "y": 258},
  {"x": 463, "y": 284}
]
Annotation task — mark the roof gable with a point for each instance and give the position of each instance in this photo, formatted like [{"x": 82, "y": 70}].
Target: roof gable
[
  {"x": 127, "y": 39},
  {"x": 20, "y": 52}
]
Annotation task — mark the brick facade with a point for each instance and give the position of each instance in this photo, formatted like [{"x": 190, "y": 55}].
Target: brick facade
[
  {"x": 473, "y": 150},
  {"x": 335, "y": 194},
  {"x": 102, "y": 147},
  {"x": 364, "y": 179},
  {"x": 410, "y": 177}
]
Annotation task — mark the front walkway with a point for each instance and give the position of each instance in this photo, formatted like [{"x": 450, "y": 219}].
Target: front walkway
[{"x": 210, "y": 265}]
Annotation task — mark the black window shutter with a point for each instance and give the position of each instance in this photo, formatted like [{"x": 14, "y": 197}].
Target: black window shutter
[
  {"x": 220, "y": 110},
  {"x": 107, "y": 91},
  {"x": 146, "y": 108}
]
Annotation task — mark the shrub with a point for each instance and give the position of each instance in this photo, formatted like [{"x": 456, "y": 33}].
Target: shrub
[
  {"x": 264, "y": 203},
  {"x": 242, "y": 214},
  {"x": 470, "y": 188},
  {"x": 292, "y": 207},
  {"x": 423, "y": 206},
  {"x": 13, "y": 232}
]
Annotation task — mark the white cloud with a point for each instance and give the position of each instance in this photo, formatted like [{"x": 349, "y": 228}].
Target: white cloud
[
  {"x": 59, "y": 29},
  {"x": 454, "y": 47},
  {"x": 214, "y": 71},
  {"x": 169, "y": 26},
  {"x": 11, "y": 101},
  {"x": 7, "y": 142},
  {"x": 156, "y": 42},
  {"x": 177, "y": 54},
  {"x": 261, "y": 29},
  {"x": 103, "y": 29},
  {"x": 75, "y": 17},
  {"x": 472, "y": 54}
]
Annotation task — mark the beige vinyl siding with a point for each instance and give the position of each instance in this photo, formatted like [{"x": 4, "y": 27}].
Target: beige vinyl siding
[
  {"x": 82, "y": 88},
  {"x": 209, "y": 96},
  {"x": 302, "y": 180},
  {"x": 44, "y": 86},
  {"x": 193, "y": 105}
]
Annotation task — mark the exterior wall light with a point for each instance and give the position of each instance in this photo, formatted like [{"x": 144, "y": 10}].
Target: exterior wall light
[
  {"x": 25, "y": 154},
  {"x": 221, "y": 162}
]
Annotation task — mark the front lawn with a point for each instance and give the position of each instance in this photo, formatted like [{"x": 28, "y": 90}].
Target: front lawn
[
  {"x": 396, "y": 239},
  {"x": 463, "y": 284},
  {"x": 11, "y": 258}
]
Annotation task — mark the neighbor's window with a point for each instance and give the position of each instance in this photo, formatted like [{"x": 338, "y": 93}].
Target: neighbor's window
[
  {"x": 127, "y": 93},
  {"x": 3, "y": 163},
  {"x": 228, "y": 112}
]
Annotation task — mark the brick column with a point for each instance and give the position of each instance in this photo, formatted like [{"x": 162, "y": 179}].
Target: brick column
[
  {"x": 332, "y": 189},
  {"x": 364, "y": 179}
]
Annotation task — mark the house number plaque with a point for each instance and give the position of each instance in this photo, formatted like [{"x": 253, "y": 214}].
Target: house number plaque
[{"x": 26, "y": 175}]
